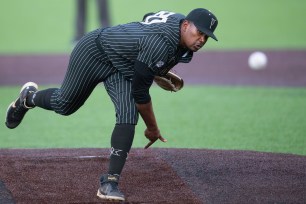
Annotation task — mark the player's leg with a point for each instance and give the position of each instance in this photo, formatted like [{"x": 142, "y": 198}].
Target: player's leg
[
  {"x": 119, "y": 89},
  {"x": 85, "y": 70}
]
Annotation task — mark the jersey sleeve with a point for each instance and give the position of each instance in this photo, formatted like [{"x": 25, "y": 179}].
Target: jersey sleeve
[
  {"x": 153, "y": 52},
  {"x": 141, "y": 83}
]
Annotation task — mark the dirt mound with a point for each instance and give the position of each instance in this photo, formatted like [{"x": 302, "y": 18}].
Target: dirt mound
[{"x": 153, "y": 176}]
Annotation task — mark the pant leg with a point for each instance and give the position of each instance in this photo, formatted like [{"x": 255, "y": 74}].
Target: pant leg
[
  {"x": 87, "y": 67},
  {"x": 119, "y": 89}
]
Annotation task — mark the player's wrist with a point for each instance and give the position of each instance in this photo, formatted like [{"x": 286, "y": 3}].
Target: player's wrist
[{"x": 153, "y": 129}]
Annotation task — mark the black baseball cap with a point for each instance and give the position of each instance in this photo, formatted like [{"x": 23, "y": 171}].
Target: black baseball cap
[{"x": 204, "y": 20}]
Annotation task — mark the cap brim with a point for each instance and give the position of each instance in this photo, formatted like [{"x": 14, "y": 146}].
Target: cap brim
[
  {"x": 207, "y": 32},
  {"x": 210, "y": 34}
]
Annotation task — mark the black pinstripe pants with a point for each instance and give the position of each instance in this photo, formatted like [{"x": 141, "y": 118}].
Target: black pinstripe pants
[{"x": 88, "y": 67}]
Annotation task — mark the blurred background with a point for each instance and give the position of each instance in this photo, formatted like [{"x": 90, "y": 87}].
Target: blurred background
[
  {"x": 45, "y": 26},
  {"x": 233, "y": 106}
]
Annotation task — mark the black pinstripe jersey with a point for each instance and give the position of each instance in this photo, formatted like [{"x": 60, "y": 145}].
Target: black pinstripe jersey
[{"x": 154, "y": 41}]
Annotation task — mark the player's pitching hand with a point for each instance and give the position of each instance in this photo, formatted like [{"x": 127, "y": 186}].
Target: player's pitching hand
[{"x": 153, "y": 135}]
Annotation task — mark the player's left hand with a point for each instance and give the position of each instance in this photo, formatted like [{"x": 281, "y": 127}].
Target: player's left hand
[
  {"x": 169, "y": 82},
  {"x": 153, "y": 135}
]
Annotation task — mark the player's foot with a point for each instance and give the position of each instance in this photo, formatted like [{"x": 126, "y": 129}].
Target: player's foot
[
  {"x": 109, "y": 188},
  {"x": 18, "y": 108}
]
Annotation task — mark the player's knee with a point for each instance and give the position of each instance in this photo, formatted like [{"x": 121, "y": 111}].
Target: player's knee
[
  {"x": 127, "y": 118},
  {"x": 66, "y": 104},
  {"x": 66, "y": 109},
  {"x": 64, "y": 112}
]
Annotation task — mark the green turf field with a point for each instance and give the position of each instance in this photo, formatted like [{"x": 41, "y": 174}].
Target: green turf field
[
  {"x": 242, "y": 118},
  {"x": 48, "y": 25}
]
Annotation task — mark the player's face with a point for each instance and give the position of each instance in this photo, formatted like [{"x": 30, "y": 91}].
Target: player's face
[{"x": 191, "y": 37}]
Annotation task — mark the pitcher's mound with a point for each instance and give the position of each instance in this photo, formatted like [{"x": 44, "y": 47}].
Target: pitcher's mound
[{"x": 153, "y": 176}]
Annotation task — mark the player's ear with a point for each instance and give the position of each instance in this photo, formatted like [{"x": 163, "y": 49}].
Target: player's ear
[{"x": 184, "y": 25}]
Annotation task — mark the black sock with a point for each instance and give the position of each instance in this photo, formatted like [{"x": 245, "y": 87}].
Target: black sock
[
  {"x": 41, "y": 98},
  {"x": 121, "y": 141}
]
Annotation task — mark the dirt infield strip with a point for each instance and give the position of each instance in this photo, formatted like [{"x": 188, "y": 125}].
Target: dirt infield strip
[
  {"x": 153, "y": 176},
  {"x": 285, "y": 68}
]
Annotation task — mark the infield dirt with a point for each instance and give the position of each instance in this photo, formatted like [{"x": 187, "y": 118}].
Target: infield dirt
[
  {"x": 285, "y": 68},
  {"x": 153, "y": 176}
]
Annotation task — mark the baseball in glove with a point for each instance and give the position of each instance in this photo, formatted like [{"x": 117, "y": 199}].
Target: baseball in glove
[{"x": 169, "y": 82}]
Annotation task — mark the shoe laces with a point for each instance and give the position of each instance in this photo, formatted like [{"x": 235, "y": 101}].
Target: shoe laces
[
  {"x": 19, "y": 111},
  {"x": 114, "y": 185}
]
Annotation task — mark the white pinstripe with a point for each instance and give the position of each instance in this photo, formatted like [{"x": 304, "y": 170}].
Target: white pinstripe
[
  {"x": 119, "y": 89},
  {"x": 148, "y": 43},
  {"x": 122, "y": 46},
  {"x": 87, "y": 67}
]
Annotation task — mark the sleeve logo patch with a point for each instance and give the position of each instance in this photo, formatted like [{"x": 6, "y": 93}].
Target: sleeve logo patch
[{"x": 160, "y": 64}]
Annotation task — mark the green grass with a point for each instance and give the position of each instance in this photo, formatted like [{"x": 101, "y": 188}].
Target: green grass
[
  {"x": 241, "y": 118},
  {"x": 45, "y": 26}
]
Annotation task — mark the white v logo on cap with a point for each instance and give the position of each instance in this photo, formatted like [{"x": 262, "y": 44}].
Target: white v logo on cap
[{"x": 212, "y": 22}]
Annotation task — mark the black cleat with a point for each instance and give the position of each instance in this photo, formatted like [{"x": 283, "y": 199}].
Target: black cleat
[
  {"x": 18, "y": 108},
  {"x": 109, "y": 188}
]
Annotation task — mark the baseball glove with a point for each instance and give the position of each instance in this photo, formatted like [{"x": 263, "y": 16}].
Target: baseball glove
[{"x": 169, "y": 82}]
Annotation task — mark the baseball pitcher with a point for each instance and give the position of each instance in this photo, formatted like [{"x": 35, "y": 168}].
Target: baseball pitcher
[{"x": 126, "y": 59}]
